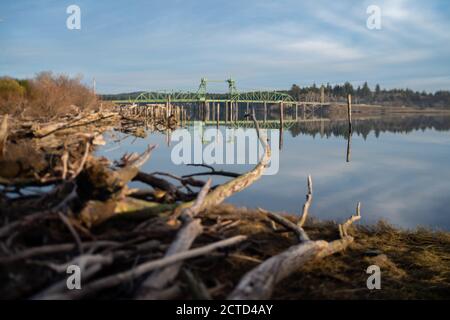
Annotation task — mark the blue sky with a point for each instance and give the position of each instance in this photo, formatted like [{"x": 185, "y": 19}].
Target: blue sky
[{"x": 151, "y": 45}]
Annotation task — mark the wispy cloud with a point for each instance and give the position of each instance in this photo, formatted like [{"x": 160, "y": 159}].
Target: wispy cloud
[
  {"x": 324, "y": 48},
  {"x": 272, "y": 44}
]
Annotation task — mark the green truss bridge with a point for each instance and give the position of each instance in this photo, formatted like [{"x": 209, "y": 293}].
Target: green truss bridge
[{"x": 202, "y": 96}]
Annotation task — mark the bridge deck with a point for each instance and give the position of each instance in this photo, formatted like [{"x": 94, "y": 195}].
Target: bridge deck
[{"x": 163, "y": 101}]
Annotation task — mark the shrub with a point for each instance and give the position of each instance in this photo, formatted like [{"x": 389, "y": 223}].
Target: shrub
[
  {"x": 12, "y": 95},
  {"x": 46, "y": 95}
]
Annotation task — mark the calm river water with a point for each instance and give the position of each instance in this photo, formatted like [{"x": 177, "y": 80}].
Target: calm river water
[{"x": 399, "y": 169}]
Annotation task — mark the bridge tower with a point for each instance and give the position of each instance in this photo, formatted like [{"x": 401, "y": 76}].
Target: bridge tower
[
  {"x": 232, "y": 89},
  {"x": 202, "y": 89}
]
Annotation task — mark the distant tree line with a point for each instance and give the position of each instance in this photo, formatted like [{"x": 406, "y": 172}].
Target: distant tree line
[
  {"x": 338, "y": 93},
  {"x": 364, "y": 94}
]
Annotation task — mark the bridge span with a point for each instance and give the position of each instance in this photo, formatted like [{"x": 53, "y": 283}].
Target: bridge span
[{"x": 230, "y": 106}]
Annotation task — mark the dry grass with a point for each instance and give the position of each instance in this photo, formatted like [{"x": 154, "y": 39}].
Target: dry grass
[
  {"x": 47, "y": 95},
  {"x": 415, "y": 264}
]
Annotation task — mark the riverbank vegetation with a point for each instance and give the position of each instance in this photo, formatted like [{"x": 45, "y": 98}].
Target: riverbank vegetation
[
  {"x": 46, "y": 95},
  {"x": 363, "y": 94}
]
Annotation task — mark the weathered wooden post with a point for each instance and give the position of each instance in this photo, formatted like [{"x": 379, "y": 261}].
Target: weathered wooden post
[
  {"x": 322, "y": 94},
  {"x": 349, "y": 111},
  {"x": 265, "y": 112},
  {"x": 206, "y": 111},
  {"x": 253, "y": 112},
  {"x": 231, "y": 111},
  {"x": 281, "y": 125},
  {"x": 218, "y": 114},
  {"x": 281, "y": 114},
  {"x": 296, "y": 111},
  {"x": 167, "y": 108},
  {"x": 226, "y": 112},
  {"x": 350, "y": 129},
  {"x": 248, "y": 108}
]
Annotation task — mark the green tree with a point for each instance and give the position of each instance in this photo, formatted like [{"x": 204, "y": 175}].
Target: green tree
[
  {"x": 295, "y": 92},
  {"x": 348, "y": 88},
  {"x": 365, "y": 91}
]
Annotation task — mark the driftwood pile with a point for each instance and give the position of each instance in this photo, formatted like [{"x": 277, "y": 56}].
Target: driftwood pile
[{"x": 127, "y": 242}]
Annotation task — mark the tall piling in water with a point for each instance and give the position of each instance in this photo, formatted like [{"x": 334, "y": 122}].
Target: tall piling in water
[
  {"x": 281, "y": 125},
  {"x": 218, "y": 114},
  {"x": 350, "y": 129},
  {"x": 281, "y": 114},
  {"x": 226, "y": 112},
  {"x": 265, "y": 112},
  {"x": 349, "y": 111}
]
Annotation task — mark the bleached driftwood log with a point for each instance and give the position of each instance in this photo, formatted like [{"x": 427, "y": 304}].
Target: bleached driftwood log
[
  {"x": 41, "y": 131},
  {"x": 158, "y": 281},
  {"x": 220, "y": 193},
  {"x": 143, "y": 268},
  {"x": 307, "y": 204},
  {"x": 260, "y": 282}
]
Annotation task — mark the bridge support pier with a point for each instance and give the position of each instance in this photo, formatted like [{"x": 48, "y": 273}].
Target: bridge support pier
[
  {"x": 232, "y": 111},
  {"x": 218, "y": 114},
  {"x": 281, "y": 113},
  {"x": 265, "y": 112},
  {"x": 226, "y": 112},
  {"x": 206, "y": 106},
  {"x": 281, "y": 125}
]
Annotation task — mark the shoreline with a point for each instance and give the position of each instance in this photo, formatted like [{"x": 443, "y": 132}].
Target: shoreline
[{"x": 91, "y": 208}]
